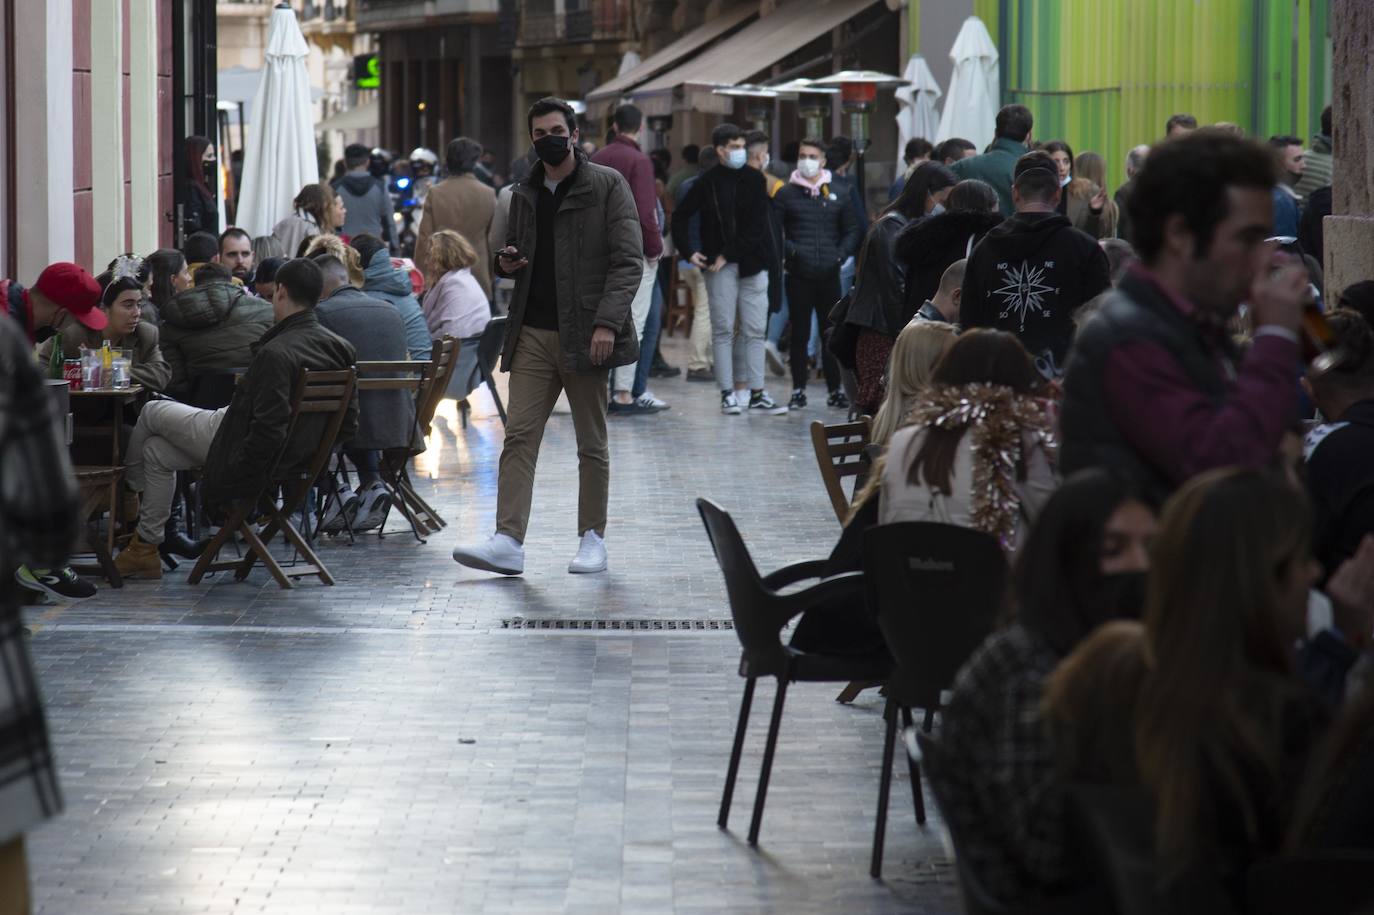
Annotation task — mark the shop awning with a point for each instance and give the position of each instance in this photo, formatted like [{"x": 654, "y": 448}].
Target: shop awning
[
  {"x": 749, "y": 51},
  {"x": 363, "y": 117},
  {"x": 600, "y": 99}
]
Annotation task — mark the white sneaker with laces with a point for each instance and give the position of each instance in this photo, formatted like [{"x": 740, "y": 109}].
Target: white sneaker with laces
[
  {"x": 647, "y": 401},
  {"x": 591, "y": 555},
  {"x": 500, "y": 553},
  {"x": 729, "y": 404}
]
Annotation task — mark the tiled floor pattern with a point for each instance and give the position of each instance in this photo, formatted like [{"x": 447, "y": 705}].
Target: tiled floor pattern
[{"x": 386, "y": 746}]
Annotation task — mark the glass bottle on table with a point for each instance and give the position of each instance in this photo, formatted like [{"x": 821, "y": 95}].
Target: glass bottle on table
[{"x": 55, "y": 358}]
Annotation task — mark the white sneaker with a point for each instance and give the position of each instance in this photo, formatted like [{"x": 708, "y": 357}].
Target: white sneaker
[
  {"x": 648, "y": 402},
  {"x": 773, "y": 357},
  {"x": 729, "y": 404},
  {"x": 373, "y": 504},
  {"x": 500, "y": 553},
  {"x": 591, "y": 555}
]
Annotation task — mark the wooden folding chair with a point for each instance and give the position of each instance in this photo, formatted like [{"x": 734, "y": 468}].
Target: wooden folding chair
[
  {"x": 401, "y": 376},
  {"x": 315, "y": 393},
  {"x": 839, "y": 454},
  {"x": 395, "y": 465},
  {"x": 99, "y": 487}
]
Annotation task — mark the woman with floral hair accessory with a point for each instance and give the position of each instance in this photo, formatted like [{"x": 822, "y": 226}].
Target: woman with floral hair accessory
[{"x": 978, "y": 450}]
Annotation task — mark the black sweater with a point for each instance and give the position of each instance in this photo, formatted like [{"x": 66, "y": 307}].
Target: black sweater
[{"x": 733, "y": 203}]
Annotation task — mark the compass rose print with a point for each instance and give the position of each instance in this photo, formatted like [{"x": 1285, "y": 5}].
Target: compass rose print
[{"x": 1023, "y": 291}]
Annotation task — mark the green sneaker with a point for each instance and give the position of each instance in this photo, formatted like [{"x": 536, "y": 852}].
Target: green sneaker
[{"x": 61, "y": 584}]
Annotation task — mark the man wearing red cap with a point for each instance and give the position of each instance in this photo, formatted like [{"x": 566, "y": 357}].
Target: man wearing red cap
[{"x": 61, "y": 287}]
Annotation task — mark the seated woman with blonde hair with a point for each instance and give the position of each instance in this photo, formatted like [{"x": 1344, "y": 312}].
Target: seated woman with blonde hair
[
  {"x": 333, "y": 244},
  {"x": 455, "y": 305},
  {"x": 918, "y": 348},
  {"x": 979, "y": 451}
]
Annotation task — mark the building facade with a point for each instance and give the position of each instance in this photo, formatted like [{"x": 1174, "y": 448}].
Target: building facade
[{"x": 86, "y": 155}]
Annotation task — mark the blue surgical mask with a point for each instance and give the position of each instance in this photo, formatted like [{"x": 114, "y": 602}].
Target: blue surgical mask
[
  {"x": 937, "y": 209},
  {"x": 736, "y": 158}
]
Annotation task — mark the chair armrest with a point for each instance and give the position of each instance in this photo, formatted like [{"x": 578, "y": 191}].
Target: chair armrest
[
  {"x": 797, "y": 571},
  {"x": 836, "y": 588}
]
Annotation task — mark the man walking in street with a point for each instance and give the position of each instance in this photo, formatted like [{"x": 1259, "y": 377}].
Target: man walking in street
[
  {"x": 575, "y": 247},
  {"x": 699, "y": 343},
  {"x": 1011, "y": 141},
  {"x": 624, "y": 155},
  {"x": 734, "y": 253},
  {"x": 367, "y": 200},
  {"x": 1030, "y": 274},
  {"x": 819, "y": 233}
]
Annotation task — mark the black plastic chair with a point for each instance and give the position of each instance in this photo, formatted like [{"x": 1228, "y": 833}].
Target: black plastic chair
[
  {"x": 1333, "y": 882},
  {"x": 937, "y": 590},
  {"x": 488, "y": 354},
  {"x": 760, "y": 612}
]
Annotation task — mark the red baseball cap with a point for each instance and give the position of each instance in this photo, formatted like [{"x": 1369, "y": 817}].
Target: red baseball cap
[{"x": 69, "y": 286}]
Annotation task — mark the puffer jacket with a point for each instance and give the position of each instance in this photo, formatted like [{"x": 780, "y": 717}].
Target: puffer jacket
[
  {"x": 211, "y": 328},
  {"x": 877, "y": 302},
  {"x": 599, "y": 262},
  {"x": 382, "y": 280},
  {"x": 257, "y": 425},
  {"x": 819, "y": 231},
  {"x": 148, "y": 368},
  {"x": 926, "y": 248}
]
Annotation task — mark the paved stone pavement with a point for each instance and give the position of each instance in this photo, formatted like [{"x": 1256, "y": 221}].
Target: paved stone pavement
[{"x": 410, "y": 741}]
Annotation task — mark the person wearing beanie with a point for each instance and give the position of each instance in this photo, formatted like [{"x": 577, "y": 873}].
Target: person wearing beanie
[{"x": 61, "y": 289}]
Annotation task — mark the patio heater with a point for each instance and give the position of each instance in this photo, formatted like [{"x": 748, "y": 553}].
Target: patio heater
[
  {"x": 813, "y": 103},
  {"x": 759, "y": 107},
  {"x": 858, "y": 94},
  {"x": 659, "y": 125}
]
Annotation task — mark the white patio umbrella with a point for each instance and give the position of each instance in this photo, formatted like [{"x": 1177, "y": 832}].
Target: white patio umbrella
[
  {"x": 916, "y": 114},
  {"x": 971, "y": 106},
  {"x": 279, "y": 158}
]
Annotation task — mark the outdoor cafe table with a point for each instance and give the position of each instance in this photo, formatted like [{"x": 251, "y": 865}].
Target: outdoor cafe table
[
  {"x": 106, "y": 478},
  {"x": 116, "y": 398}
]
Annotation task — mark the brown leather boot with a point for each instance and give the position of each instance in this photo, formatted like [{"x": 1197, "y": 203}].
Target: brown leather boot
[{"x": 139, "y": 560}]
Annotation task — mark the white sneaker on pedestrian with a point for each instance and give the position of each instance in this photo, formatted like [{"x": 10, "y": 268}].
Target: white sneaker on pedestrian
[
  {"x": 762, "y": 402},
  {"x": 591, "y": 555},
  {"x": 729, "y": 404},
  {"x": 773, "y": 356},
  {"x": 648, "y": 402},
  {"x": 500, "y": 553}
]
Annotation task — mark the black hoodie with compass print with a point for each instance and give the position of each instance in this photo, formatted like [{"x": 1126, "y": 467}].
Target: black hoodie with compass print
[{"x": 1028, "y": 276}]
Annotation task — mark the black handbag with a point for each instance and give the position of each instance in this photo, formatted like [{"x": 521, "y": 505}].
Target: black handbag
[{"x": 843, "y": 339}]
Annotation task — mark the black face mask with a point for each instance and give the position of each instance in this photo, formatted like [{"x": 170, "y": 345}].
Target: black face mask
[
  {"x": 1123, "y": 595},
  {"x": 553, "y": 150}
]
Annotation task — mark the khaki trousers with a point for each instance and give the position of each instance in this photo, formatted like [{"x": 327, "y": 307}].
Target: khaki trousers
[
  {"x": 699, "y": 355},
  {"x": 536, "y": 379},
  {"x": 14, "y": 879},
  {"x": 170, "y": 436}
]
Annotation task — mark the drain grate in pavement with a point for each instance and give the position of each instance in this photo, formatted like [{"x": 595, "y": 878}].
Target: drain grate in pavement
[{"x": 632, "y": 625}]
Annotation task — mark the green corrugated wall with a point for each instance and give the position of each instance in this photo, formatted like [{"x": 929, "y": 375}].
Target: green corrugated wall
[{"x": 1106, "y": 74}]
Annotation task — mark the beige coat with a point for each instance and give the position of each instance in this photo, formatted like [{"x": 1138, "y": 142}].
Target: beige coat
[
  {"x": 1080, "y": 192},
  {"x": 465, "y": 205}
]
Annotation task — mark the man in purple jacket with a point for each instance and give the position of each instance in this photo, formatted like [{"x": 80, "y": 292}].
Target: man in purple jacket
[
  {"x": 624, "y": 155},
  {"x": 1155, "y": 386}
]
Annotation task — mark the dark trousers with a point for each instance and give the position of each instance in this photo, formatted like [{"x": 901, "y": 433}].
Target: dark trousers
[{"x": 804, "y": 296}]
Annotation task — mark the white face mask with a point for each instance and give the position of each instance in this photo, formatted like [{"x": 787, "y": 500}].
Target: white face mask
[
  {"x": 937, "y": 209},
  {"x": 736, "y": 158},
  {"x": 809, "y": 168},
  {"x": 1064, "y": 182},
  {"x": 767, "y": 161}
]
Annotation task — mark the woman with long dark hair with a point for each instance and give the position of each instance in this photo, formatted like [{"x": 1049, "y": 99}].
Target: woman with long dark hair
[
  {"x": 877, "y": 305},
  {"x": 167, "y": 274},
  {"x": 1216, "y": 726},
  {"x": 979, "y": 450},
  {"x": 1083, "y": 564},
  {"x": 201, "y": 210}
]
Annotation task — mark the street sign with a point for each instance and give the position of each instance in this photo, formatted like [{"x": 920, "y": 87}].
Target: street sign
[{"x": 367, "y": 71}]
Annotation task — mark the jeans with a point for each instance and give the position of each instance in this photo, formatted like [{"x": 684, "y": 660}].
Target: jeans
[
  {"x": 648, "y": 341},
  {"x": 812, "y": 299},
  {"x": 743, "y": 300},
  {"x": 623, "y": 378}
]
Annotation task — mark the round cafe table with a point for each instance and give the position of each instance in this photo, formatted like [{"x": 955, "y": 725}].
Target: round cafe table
[{"x": 100, "y": 485}]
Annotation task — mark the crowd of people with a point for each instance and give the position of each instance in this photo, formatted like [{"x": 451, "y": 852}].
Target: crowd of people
[{"x": 1140, "y": 395}]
